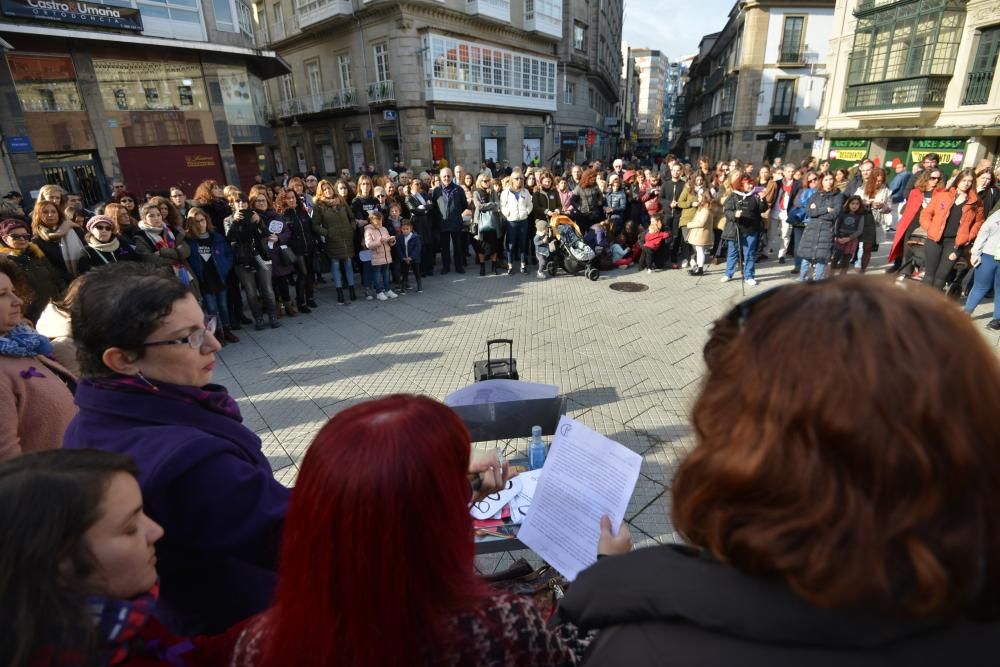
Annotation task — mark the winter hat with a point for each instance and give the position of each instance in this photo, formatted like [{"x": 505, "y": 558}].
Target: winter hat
[
  {"x": 97, "y": 219},
  {"x": 10, "y": 224}
]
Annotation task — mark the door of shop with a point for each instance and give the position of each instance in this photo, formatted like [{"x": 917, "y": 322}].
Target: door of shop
[{"x": 75, "y": 172}]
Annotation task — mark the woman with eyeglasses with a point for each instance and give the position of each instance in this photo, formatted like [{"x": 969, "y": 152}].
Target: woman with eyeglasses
[
  {"x": 822, "y": 522},
  {"x": 212, "y": 262},
  {"x": 103, "y": 245},
  {"x": 952, "y": 221},
  {"x": 146, "y": 357},
  {"x": 36, "y": 398},
  {"x": 928, "y": 182},
  {"x": 45, "y": 281},
  {"x": 277, "y": 235},
  {"x": 124, "y": 224},
  {"x": 130, "y": 202},
  {"x": 252, "y": 261}
]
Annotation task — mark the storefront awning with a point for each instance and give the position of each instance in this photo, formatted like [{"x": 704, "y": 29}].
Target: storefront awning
[{"x": 264, "y": 63}]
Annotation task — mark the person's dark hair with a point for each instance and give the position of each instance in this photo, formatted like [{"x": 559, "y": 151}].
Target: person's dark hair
[
  {"x": 48, "y": 501},
  {"x": 852, "y": 198},
  {"x": 855, "y": 498},
  {"x": 932, "y": 156},
  {"x": 22, "y": 288},
  {"x": 120, "y": 306}
]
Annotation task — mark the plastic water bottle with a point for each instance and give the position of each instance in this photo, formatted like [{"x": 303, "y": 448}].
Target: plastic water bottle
[{"x": 536, "y": 449}]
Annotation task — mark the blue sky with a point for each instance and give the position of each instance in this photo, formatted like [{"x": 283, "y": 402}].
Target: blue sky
[{"x": 673, "y": 26}]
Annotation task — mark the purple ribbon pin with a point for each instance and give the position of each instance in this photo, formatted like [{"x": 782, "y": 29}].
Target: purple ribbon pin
[{"x": 32, "y": 372}]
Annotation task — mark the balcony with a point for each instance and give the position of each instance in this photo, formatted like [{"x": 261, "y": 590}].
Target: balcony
[
  {"x": 923, "y": 91},
  {"x": 310, "y": 104},
  {"x": 381, "y": 92},
  {"x": 311, "y": 12},
  {"x": 491, "y": 9},
  {"x": 977, "y": 89},
  {"x": 869, "y": 6},
  {"x": 715, "y": 78},
  {"x": 718, "y": 122},
  {"x": 791, "y": 55},
  {"x": 543, "y": 17}
]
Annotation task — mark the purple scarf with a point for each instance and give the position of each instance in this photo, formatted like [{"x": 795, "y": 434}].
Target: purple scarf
[{"x": 213, "y": 397}]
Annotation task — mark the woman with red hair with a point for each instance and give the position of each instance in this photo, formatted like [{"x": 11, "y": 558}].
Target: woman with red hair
[
  {"x": 377, "y": 564},
  {"x": 829, "y": 522}
]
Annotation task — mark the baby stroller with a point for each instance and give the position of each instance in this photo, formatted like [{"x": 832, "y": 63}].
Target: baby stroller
[{"x": 572, "y": 255}]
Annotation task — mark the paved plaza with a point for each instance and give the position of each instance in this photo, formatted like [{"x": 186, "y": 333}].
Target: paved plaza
[{"x": 629, "y": 365}]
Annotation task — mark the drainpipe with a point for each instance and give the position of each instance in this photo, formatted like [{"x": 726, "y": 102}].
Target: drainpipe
[{"x": 364, "y": 63}]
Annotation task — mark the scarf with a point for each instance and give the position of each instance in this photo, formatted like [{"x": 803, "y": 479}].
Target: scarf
[
  {"x": 111, "y": 246},
  {"x": 69, "y": 243},
  {"x": 31, "y": 251},
  {"x": 162, "y": 237},
  {"x": 23, "y": 341},
  {"x": 212, "y": 397},
  {"x": 120, "y": 624}
]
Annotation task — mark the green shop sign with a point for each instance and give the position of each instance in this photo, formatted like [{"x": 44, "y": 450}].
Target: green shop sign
[
  {"x": 951, "y": 151},
  {"x": 848, "y": 150}
]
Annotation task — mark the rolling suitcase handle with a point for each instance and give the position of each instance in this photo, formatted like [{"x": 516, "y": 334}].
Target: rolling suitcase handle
[{"x": 489, "y": 356}]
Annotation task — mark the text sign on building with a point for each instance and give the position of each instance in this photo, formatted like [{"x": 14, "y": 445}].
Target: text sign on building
[
  {"x": 19, "y": 144},
  {"x": 390, "y": 114},
  {"x": 75, "y": 11},
  {"x": 949, "y": 150},
  {"x": 848, "y": 150}
]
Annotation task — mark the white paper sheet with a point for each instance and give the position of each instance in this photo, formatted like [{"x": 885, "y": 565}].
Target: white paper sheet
[
  {"x": 585, "y": 476},
  {"x": 500, "y": 391}
]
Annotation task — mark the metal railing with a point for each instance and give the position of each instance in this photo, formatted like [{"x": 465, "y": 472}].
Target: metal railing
[
  {"x": 715, "y": 78},
  {"x": 865, "y": 6},
  {"x": 381, "y": 91},
  {"x": 923, "y": 91},
  {"x": 309, "y": 104},
  {"x": 790, "y": 54},
  {"x": 718, "y": 121},
  {"x": 977, "y": 88}
]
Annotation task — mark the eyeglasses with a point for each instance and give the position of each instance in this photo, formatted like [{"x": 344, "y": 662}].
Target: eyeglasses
[
  {"x": 19, "y": 237},
  {"x": 935, "y": 178},
  {"x": 195, "y": 340}
]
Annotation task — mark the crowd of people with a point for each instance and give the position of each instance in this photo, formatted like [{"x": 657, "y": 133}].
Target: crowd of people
[{"x": 142, "y": 523}]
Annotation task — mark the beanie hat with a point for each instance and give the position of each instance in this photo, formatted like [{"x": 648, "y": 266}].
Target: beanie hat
[
  {"x": 99, "y": 219},
  {"x": 10, "y": 224}
]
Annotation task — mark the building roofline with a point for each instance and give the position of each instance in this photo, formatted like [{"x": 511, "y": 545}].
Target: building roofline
[{"x": 265, "y": 62}]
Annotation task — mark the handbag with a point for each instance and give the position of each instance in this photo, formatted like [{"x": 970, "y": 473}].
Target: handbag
[
  {"x": 288, "y": 255},
  {"x": 544, "y": 586}
]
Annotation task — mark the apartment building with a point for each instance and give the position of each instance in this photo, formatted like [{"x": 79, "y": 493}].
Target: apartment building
[
  {"x": 652, "y": 66},
  {"x": 157, "y": 92},
  {"x": 423, "y": 81},
  {"x": 628, "y": 104},
  {"x": 756, "y": 86},
  {"x": 588, "y": 117},
  {"x": 909, "y": 77}
]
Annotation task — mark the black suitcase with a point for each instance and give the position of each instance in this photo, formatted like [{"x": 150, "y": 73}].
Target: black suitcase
[{"x": 496, "y": 369}]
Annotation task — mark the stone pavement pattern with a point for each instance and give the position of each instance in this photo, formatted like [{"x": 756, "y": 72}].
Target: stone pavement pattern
[{"x": 629, "y": 365}]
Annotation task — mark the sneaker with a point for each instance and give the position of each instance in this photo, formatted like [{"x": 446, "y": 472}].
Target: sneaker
[
  {"x": 510, "y": 271},
  {"x": 994, "y": 325},
  {"x": 382, "y": 297},
  {"x": 524, "y": 268},
  {"x": 369, "y": 297},
  {"x": 391, "y": 294},
  {"x": 542, "y": 275},
  {"x": 725, "y": 279},
  {"x": 649, "y": 270},
  {"x": 781, "y": 260},
  {"x": 751, "y": 282},
  {"x": 684, "y": 264}
]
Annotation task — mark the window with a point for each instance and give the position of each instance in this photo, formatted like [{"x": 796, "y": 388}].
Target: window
[
  {"x": 984, "y": 65},
  {"x": 344, "y": 66},
  {"x": 590, "y": 97},
  {"x": 313, "y": 78},
  {"x": 784, "y": 102},
  {"x": 568, "y": 94},
  {"x": 150, "y": 86},
  {"x": 45, "y": 83},
  {"x": 278, "y": 23},
  {"x": 791, "y": 40},
  {"x": 286, "y": 88},
  {"x": 382, "y": 62},
  {"x": 224, "y": 16},
  {"x": 579, "y": 37},
  {"x": 246, "y": 18}
]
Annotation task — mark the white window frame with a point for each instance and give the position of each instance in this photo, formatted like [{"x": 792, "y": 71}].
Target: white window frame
[
  {"x": 286, "y": 88},
  {"x": 382, "y": 72},
  {"x": 314, "y": 77},
  {"x": 277, "y": 22},
  {"x": 581, "y": 43},
  {"x": 344, "y": 71}
]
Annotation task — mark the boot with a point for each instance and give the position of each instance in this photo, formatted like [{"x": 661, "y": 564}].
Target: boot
[
  {"x": 340, "y": 295},
  {"x": 227, "y": 333},
  {"x": 496, "y": 269},
  {"x": 273, "y": 322},
  {"x": 354, "y": 296},
  {"x": 279, "y": 310},
  {"x": 258, "y": 323},
  {"x": 303, "y": 308},
  {"x": 482, "y": 269},
  {"x": 311, "y": 303},
  {"x": 290, "y": 309}
]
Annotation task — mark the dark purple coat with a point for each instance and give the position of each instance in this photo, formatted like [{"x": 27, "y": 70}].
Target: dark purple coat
[{"x": 205, "y": 480}]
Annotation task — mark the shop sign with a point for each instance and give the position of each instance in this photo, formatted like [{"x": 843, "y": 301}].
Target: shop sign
[
  {"x": 19, "y": 144},
  {"x": 199, "y": 160},
  {"x": 849, "y": 150},
  {"x": 75, "y": 11},
  {"x": 440, "y": 130},
  {"x": 952, "y": 151}
]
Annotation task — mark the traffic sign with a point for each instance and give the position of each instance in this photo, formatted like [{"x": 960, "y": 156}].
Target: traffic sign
[{"x": 390, "y": 114}]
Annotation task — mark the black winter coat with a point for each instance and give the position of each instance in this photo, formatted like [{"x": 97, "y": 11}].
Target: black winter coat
[
  {"x": 248, "y": 241},
  {"x": 750, "y": 221},
  {"x": 816, "y": 242},
  {"x": 303, "y": 242},
  {"x": 668, "y": 605}
]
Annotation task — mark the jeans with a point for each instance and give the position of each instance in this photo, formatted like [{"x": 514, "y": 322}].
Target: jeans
[
  {"x": 807, "y": 266},
  {"x": 215, "y": 305},
  {"x": 796, "y": 237},
  {"x": 257, "y": 285},
  {"x": 987, "y": 275},
  {"x": 380, "y": 277},
  {"x": 366, "y": 274},
  {"x": 454, "y": 240},
  {"x": 336, "y": 265},
  {"x": 517, "y": 242},
  {"x": 937, "y": 264},
  {"x": 748, "y": 245}
]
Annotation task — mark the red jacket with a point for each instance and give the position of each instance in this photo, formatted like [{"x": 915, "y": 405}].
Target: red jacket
[
  {"x": 651, "y": 201},
  {"x": 911, "y": 212},
  {"x": 653, "y": 240},
  {"x": 935, "y": 217}
]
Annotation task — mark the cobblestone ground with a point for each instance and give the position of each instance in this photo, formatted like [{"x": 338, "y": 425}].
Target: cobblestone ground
[{"x": 629, "y": 365}]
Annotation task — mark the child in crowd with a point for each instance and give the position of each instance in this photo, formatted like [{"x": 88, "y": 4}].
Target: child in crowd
[
  {"x": 617, "y": 204},
  {"x": 633, "y": 232},
  {"x": 621, "y": 252},
  {"x": 846, "y": 232},
  {"x": 408, "y": 246},
  {"x": 597, "y": 236},
  {"x": 565, "y": 197},
  {"x": 544, "y": 240},
  {"x": 394, "y": 223},
  {"x": 379, "y": 243},
  {"x": 655, "y": 236},
  {"x": 699, "y": 231}
]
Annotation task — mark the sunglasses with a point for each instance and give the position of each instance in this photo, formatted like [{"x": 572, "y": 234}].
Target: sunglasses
[
  {"x": 935, "y": 178},
  {"x": 19, "y": 237},
  {"x": 126, "y": 199},
  {"x": 104, "y": 228}
]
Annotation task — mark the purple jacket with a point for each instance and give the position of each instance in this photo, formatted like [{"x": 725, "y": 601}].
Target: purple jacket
[{"x": 205, "y": 480}]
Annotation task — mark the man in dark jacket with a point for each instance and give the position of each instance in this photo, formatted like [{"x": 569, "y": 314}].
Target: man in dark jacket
[
  {"x": 670, "y": 193},
  {"x": 780, "y": 229},
  {"x": 930, "y": 161},
  {"x": 448, "y": 201}
]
